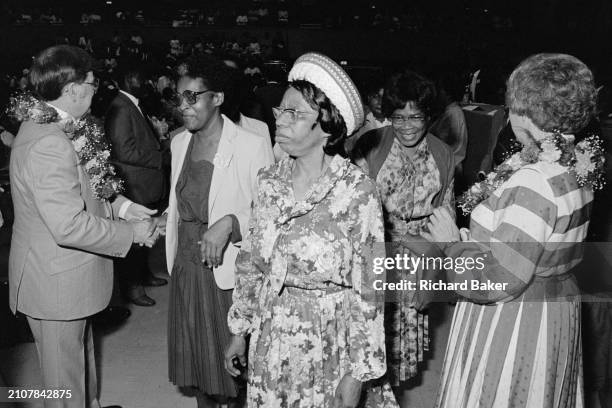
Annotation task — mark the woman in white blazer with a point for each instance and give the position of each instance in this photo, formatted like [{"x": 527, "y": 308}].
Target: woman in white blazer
[{"x": 214, "y": 169}]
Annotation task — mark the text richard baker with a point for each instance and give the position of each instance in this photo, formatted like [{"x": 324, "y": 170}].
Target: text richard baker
[{"x": 426, "y": 284}]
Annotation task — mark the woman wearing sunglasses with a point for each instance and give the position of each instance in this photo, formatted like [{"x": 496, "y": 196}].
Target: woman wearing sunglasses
[
  {"x": 214, "y": 169},
  {"x": 414, "y": 172}
]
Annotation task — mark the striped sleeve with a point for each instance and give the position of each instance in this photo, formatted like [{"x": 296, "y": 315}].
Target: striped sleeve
[{"x": 512, "y": 228}]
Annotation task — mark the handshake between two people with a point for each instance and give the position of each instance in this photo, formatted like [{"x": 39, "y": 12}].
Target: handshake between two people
[{"x": 147, "y": 229}]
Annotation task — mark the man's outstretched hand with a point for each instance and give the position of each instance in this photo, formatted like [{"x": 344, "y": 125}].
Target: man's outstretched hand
[
  {"x": 144, "y": 232},
  {"x": 138, "y": 212}
]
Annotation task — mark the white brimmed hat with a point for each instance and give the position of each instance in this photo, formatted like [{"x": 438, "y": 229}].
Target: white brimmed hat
[{"x": 330, "y": 78}]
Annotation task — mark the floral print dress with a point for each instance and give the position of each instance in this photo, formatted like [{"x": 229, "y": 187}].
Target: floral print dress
[
  {"x": 304, "y": 289},
  {"x": 408, "y": 186}
]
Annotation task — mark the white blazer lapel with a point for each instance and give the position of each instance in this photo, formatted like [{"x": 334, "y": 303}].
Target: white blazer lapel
[
  {"x": 179, "y": 155},
  {"x": 180, "y": 143},
  {"x": 221, "y": 161}
]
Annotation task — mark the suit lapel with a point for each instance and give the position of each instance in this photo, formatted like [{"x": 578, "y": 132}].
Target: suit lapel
[
  {"x": 222, "y": 160},
  {"x": 143, "y": 119}
]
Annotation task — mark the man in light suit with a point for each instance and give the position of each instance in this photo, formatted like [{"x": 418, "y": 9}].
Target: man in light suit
[{"x": 59, "y": 270}]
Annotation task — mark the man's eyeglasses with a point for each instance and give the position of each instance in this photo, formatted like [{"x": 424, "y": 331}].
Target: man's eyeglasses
[
  {"x": 95, "y": 84},
  {"x": 398, "y": 120},
  {"x": 190, "y": 97},
  {"x": 292, "y": 114}
]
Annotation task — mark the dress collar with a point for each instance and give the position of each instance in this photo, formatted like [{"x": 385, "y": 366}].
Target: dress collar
[
  {"x": 281, "y": 182},
  {"x": 62, "y": 114}
]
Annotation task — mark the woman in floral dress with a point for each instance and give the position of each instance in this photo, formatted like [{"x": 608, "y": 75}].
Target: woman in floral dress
[
  {"x": 519, "y": 345},
  {"x": 304, "y": 283},
  {"x": 414, "y": 172}
]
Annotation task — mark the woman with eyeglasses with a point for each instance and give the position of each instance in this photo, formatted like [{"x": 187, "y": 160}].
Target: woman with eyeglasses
[
  {"x": 305, "y": 287},
  {"x": 414, "y": 172},
  {"x": 214, "y": 169}
]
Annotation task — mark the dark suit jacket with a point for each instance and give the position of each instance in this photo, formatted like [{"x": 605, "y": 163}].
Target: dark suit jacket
[{"x": 136, "y": 152}]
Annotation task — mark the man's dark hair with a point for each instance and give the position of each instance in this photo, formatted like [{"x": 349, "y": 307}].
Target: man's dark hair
[
  {"x": 57, "y": 66},
  {"x": 131, "y": 73}
]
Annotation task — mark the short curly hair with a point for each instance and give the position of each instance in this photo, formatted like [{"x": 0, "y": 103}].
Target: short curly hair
[
  {"x": 408, "y": 86},
  {"x": 556, "y": 91},
  {"x": 330, "y": 119},
  {"x": 213, "y": 72}
]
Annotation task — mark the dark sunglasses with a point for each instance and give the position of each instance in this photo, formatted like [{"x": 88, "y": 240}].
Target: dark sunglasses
[{"x": 190, "y": 97}]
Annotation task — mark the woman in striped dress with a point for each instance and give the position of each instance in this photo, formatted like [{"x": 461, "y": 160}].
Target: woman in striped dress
[{"x": 519, "y": 345}]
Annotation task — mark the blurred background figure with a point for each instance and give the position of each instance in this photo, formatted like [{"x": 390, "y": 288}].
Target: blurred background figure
[{"x": 140, "y": 160}]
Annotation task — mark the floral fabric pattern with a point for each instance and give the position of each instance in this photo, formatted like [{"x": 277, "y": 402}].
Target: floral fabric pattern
[
  {"x": 408, "y": 186},
  {"x": 304, "y": 288}
]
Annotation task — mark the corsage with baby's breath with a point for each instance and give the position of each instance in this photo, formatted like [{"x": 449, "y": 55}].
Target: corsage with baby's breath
[
  {"x": 87, "y": 138},
  {"x": 585, "y": 160}
]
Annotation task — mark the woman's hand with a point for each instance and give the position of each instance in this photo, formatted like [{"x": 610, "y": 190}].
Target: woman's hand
[
  {"x": 441, "y": 227},
  {"x": 466, "y": 235},
  {"x": 160, "y": 224},
  {"x": 214, "y": 241},
  {"x": 348, "y": 392},
  {"x": 236, "y": 349}
]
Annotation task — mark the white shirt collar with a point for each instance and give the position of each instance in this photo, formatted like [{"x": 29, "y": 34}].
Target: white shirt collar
[
  {"x": 62, "y": 114},
  {"x": 130, "y": 97}
]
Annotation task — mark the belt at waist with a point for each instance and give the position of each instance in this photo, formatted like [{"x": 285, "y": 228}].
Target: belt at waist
[
  {"x": 293, "y": 291},
  {"x": 416, "y": 218}
]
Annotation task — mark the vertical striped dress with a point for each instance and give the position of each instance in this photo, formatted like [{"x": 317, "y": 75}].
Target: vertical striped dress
[{"x": 520, "y": 346}]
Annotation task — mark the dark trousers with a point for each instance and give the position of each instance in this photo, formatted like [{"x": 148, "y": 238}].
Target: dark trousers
[{"x": 133, "y": 270}]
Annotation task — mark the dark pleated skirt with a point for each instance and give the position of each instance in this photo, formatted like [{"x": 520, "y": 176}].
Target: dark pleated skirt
[{"x": 198, "y": 331}]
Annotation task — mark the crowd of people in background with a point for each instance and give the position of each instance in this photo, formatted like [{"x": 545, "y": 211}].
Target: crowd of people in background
[
  {"x": 175, "y": 111},
  {"x": 281, "y": 13}
]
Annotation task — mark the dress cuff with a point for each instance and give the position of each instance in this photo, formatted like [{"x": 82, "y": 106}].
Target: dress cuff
[{"x": 123, "y": 209}]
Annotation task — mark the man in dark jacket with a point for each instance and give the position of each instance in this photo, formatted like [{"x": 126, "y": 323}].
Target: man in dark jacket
[{"x": 140, "y": 160}]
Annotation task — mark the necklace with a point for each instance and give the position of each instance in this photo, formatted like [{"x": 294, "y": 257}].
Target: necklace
[
  {"x": 87, "y": 138},
  {"x": 585, "y": 161}
]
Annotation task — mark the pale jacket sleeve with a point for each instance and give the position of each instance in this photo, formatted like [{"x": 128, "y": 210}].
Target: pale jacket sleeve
[
  {"x": 52, "y": 164},
  {"x": 261, "y": 157}
]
